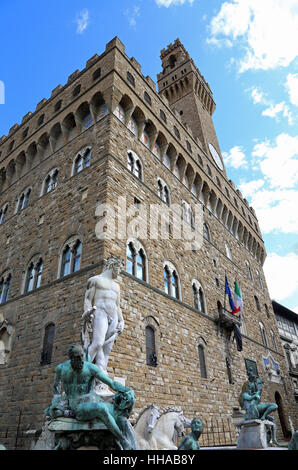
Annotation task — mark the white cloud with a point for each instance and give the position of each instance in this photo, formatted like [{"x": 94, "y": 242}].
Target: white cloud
[
  {"x": 276, "y": 210},
  {"x": 292, "y": 87},
  {"x": 273, "y": 110},
  {"x": 249, "y": 189},
  {"x": 82, "y": 21},
  {"x": 279, "y": 162},
  {"x": 219, "y": 42},
  {"x": 281, "y": 275},
  {"x": 235, "y": 158},
  {"x": 266, "y": 29},
  {"x": 274, "y": 197},
  {"x": 280, "y": 108},
  {"x": 132, "y": 15},
  {"x": 295, "y": 309},
  {"x": 168, "y": 3},
  {"x": 257, "y": 96}
]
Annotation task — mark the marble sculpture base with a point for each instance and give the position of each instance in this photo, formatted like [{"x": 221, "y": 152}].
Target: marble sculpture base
[
  {"x": 71, "y": 434},
  {"x": 253, "y": 434}
]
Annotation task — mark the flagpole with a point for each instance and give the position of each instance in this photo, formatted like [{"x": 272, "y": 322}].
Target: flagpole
[
  {"x": 225, "y": 291},
  {"x": 240, "y": 316}
]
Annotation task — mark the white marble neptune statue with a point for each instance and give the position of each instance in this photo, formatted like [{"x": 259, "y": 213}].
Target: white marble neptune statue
[{"x": 102, "y": 318}]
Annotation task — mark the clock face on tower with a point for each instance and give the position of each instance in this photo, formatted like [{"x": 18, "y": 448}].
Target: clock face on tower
[{"x": 215, "y": 156}]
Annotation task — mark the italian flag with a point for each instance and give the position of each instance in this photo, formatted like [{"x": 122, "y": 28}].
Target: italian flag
[{"x": 238, "y": 302}]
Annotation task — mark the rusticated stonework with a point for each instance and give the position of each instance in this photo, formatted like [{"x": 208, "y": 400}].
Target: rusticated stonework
[{"x": 111, "y": 109}]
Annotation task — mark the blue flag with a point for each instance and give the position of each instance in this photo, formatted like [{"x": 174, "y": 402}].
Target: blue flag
[{"x": 228, "y": 292}]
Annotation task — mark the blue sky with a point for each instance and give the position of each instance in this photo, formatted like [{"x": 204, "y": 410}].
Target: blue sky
[{"x": 247, "y": 51}]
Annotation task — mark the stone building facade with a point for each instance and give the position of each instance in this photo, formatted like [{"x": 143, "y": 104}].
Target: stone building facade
[
  {"x": 108, "y": 137},
  {"x": 287, "y": 322}
]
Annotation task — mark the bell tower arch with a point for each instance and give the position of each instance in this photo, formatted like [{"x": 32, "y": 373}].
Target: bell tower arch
[{"x": 187, "y": 92}]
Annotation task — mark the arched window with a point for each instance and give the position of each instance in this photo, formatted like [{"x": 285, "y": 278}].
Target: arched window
[
  {"x": 76, "y": 90},
  {"x": 77, "y": 252},
  {"x": 39, "y": 269},
  {"x": 130, "y": 256},
  {"x": 151, "y": 357},
  {"x": 166, "y": 195},
  {"x": 167, "y": 282},
  {"x": 259, "y": 280},
  {"x": 70, "y": 260},
  {"x": 264, "y": 336},
  {"x": 40, "y": 120},
  {"x": 188, "y": 146},
  {"x": 141, "y": 265},
  {"x": 187, "y": 213},
  {"x": 136, "y": 262},
  {"x": 160, "y": 189},
  {"x": 48, "y": 342},
  {"x": 30, "y": 278},
  {"x": 162, "y": 115},
  {"x": 25, "y": 133},
  {"x": 199, "y": 296},
  {"x": 171, "y": 280},
  {"x": 51, "y": 181},
  {"x": 23, "y": 201},
  {"x": 228, "y": 252},
  {"x": 200, "y": 160},
  {"x": 26, "y": 199},
  {"x": 134, "y": 165},
  {"x": 82, "y": 160},
  {"x": 203, "y": 369},
  {"x": 206, "y": 232},
  {"x": 257, "y": 303},
  {"x": 147, "y": 98},
  {"x": 249, "y": 273},
  {"x": 130, "y": 162},
  {"x": 58, "y": 106},
  {"x": 1, "y": 289},
  {"x": 130, "y": 78},
  {"x": 267, "y": 310},
  {"x": 175, "y": 287},
  {"x": 96, "y": 74},
  {"x": 176, "y": 132},
  {"x": 3, "y": 214},
  {"x": 65, "y": 268},
  {"x": 4, "y": 288},
  {"x": 195, "y": 296},
  {"x": 48, "y": 184},
  {"x": 163, "y": 191},
  {"x": 79, "y": 164},
  {"x": 138, "y": 169}
]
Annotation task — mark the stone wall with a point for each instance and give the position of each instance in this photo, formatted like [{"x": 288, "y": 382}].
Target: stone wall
[{"x": 70, "y": 210}]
